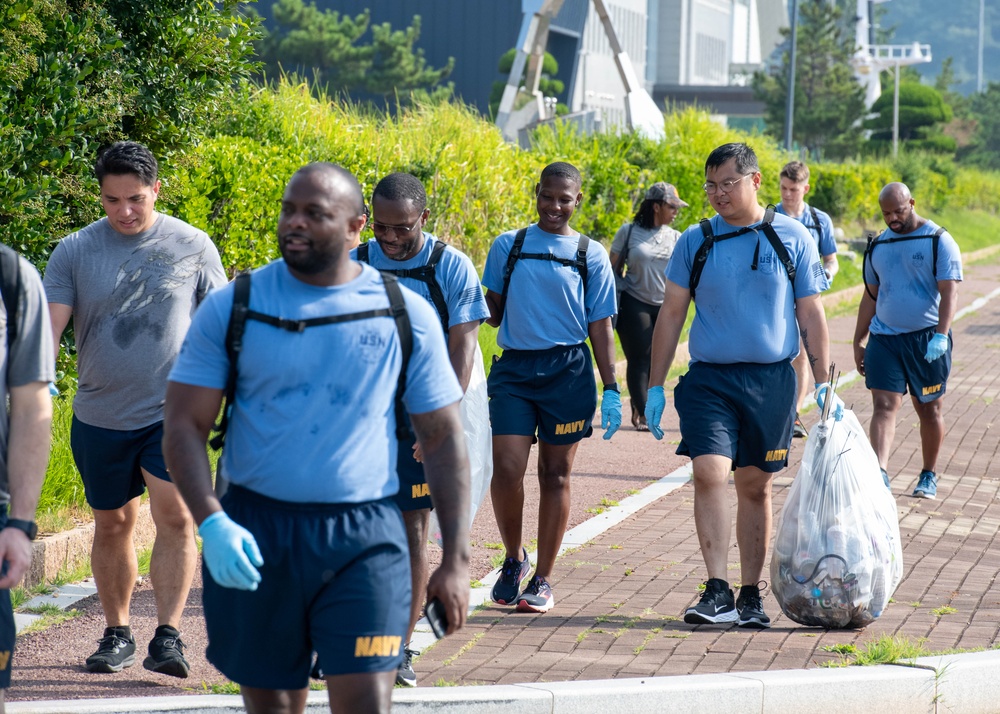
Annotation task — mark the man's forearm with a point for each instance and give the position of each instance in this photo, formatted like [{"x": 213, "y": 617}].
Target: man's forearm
[
  {"x": 830, "y": 264},
  {"x": 462, "y": 341},
  {"x": 446, "y": 465},
  {"x": 815, "y": 336},
  {"x": 866, "y": 312},
  {"x": 602, "y": 340},
  {"x": 187, "y": 462},
  {"x": 28, "y": 447},
  {"x": 948, "y": 305}
]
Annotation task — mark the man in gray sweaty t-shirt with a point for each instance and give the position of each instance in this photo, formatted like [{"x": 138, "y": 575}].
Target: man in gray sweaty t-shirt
[{"x": 131, "y": 280}]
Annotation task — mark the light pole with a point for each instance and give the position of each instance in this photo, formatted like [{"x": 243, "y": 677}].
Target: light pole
[
  {"x": 982, "y": 30},
  {"x": 790, "y": 100}
]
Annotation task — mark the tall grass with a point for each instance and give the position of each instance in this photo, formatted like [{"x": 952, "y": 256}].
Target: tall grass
[{"x": 62, "y": 487}]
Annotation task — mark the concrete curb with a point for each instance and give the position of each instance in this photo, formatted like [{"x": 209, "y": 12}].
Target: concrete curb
[
  {"x": 67, "y": 551},
  {"x": 965, "y": 683}
]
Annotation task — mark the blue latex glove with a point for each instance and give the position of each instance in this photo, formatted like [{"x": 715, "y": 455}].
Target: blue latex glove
[
  {"x": 611, "y": 412},
  {"x": 656, "y": 401},
  {"x": 936, "y": 347},
  {"x": 53, "y": 389},
  {"x": 230, "y": 552},
  {"x": 836, "y": 406}
]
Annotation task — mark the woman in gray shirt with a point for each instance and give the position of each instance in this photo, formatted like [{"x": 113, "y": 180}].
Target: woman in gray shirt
[{"x": 639, "y": 254}]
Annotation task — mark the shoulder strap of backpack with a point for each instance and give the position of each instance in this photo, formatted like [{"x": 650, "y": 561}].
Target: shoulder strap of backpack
[
  {"x": 779, "y": 248},
  {"x": 397, "y": 306},
  {"x": 701, "y": 256},
  {"x": 234, "y": 345},
  {"x": 10, "y": 286},
  {"x": 512, "y": 258},
  {"x": 437, "y": 295},
  {"x": 816, "y": 226},
  {"x": 363, "y": 253},
  {"x": 581, "y": 260}
]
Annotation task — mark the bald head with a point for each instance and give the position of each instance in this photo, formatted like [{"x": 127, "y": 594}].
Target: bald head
[
  {"x": 897, "y": 205},
  {"x": 895, "y": 191},
  {"x": 341, "y": 183}
]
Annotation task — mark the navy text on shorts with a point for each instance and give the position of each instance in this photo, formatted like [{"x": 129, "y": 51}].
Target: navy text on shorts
[
  {"x": 742, "y": 411},
  {"x": 335, "y": 580},
  {"x": 550, "y": 391},
  {"x": 894, "y": 363},
  {"x": 414, "y": 493},
  {"x": 110, "y": 461}
]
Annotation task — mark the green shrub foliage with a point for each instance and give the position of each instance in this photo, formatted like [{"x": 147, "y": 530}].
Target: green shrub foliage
[{"x": 78, "y": 74}]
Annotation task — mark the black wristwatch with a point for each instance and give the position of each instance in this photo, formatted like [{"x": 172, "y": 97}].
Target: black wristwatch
[
  {"x": 29, "y": 528},
  {"x": 613, "y": 387}
]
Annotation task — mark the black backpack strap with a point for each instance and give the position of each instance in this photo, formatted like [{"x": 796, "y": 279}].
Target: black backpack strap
[
  {"x": 623, "y": 255},
  {"x": 817, "y": 228},
  {"x": 873, "y": 241},
  {"x": 701, "y": 256},
  {"x": 581, "y": 261},
  {"x": 512, "y": 258},
  {"x": 397, "y": 307},
  {"x": 426, "y": 274},
  {"x": 234, "y": 345},
  {"x": 10, "y": 286},
  {"x": 363, "y": 253},
  {"x": 779, "y": 248}
]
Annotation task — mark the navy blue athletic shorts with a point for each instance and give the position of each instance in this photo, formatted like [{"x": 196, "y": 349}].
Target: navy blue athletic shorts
[
  {"x": 335, "y": 581},
  {"x": 742, "y": 411},
  {"x": 550, "y": 391},
  {"x": 111, "y": 461},
  {"x": 8, "y": 631},
  {"x": 414, "y": 493},
  {"x": 894, "y": 363}
]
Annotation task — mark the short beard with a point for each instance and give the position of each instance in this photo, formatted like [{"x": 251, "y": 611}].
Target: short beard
[{"x": 311, "y": 263}]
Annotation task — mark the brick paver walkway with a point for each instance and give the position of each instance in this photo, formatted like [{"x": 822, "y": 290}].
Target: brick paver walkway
[{"x": 619, "y": 598}]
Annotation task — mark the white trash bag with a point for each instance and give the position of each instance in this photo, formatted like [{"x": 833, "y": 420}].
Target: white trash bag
[
  {"x": 475, "y": 408},
  {"x": 837, "y": 552}
]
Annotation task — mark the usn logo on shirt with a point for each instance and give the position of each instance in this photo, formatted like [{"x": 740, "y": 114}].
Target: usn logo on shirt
[{"x": 377, "y": 646}]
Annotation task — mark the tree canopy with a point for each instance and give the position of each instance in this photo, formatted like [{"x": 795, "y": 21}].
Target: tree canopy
[
  {"x": 922, "y": 111},
  {"x": 829, "y": 102},
  {"x": 327, "y": 47},
  {"x": 79, "y": 74}
]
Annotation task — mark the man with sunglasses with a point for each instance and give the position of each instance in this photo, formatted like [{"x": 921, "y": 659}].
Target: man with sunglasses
[
  {"x": 399, "y": 212},
  {"x": 737, "y": 401}
]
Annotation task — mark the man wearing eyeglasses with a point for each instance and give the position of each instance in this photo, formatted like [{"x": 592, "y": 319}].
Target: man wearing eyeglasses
[
  {"x": 399, "y": 212},
  {"x": 737, "y": 401}
]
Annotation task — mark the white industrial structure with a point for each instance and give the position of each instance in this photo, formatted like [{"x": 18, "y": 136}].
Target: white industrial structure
[
  {"x": 870, "y": 59},
  {"x": 627, "y": 47}
]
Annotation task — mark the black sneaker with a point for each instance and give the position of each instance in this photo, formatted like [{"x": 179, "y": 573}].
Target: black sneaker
[
  {"x": 750, "y": 606},
  {"x": 115, "y": 651},
  {"x": 799, "y": 429},
  {"x": 508, "y": 585},
  {"x": 537, "y": 597},
  {"x": 166, "y": 653},
  {"x": 716, "y": 605},
  {"x": 405, "y": 675}
]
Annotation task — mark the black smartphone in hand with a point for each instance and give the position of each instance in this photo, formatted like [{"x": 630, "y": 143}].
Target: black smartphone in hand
[{"x": 434, "y": 611}]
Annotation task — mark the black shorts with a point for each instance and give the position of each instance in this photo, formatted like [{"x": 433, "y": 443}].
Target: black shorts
[
  {"x": 8, "y": 630},
  {"x": 552, "y": 392},
  {"x": 895, "y": 363},
  {"x": 111, "y": 462},
  {"x": 742, "y": 411},
  {"x": 335, "y": 581},
  {"x": 413, "y": 494}
]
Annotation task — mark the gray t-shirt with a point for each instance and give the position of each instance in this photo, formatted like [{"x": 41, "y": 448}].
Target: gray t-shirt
[
  {"x": 30, "y": 358},
  {"x": 649, "y": 250},
  {"x": 132, "y": 299}
]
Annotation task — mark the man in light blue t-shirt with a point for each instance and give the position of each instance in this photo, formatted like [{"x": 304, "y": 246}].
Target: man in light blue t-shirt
[
  {"x": 307, "y": 541},
  {"x": 736, "y": 402},
  {"x": 548, "y": 290},
  {"x": 448, "y": 280},
  {"x": 794, "y": 185},
  {"x": 911, "y": 274}
]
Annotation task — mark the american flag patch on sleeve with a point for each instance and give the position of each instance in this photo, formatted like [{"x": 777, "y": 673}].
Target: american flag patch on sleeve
[{"x": 817, "y": 270}]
